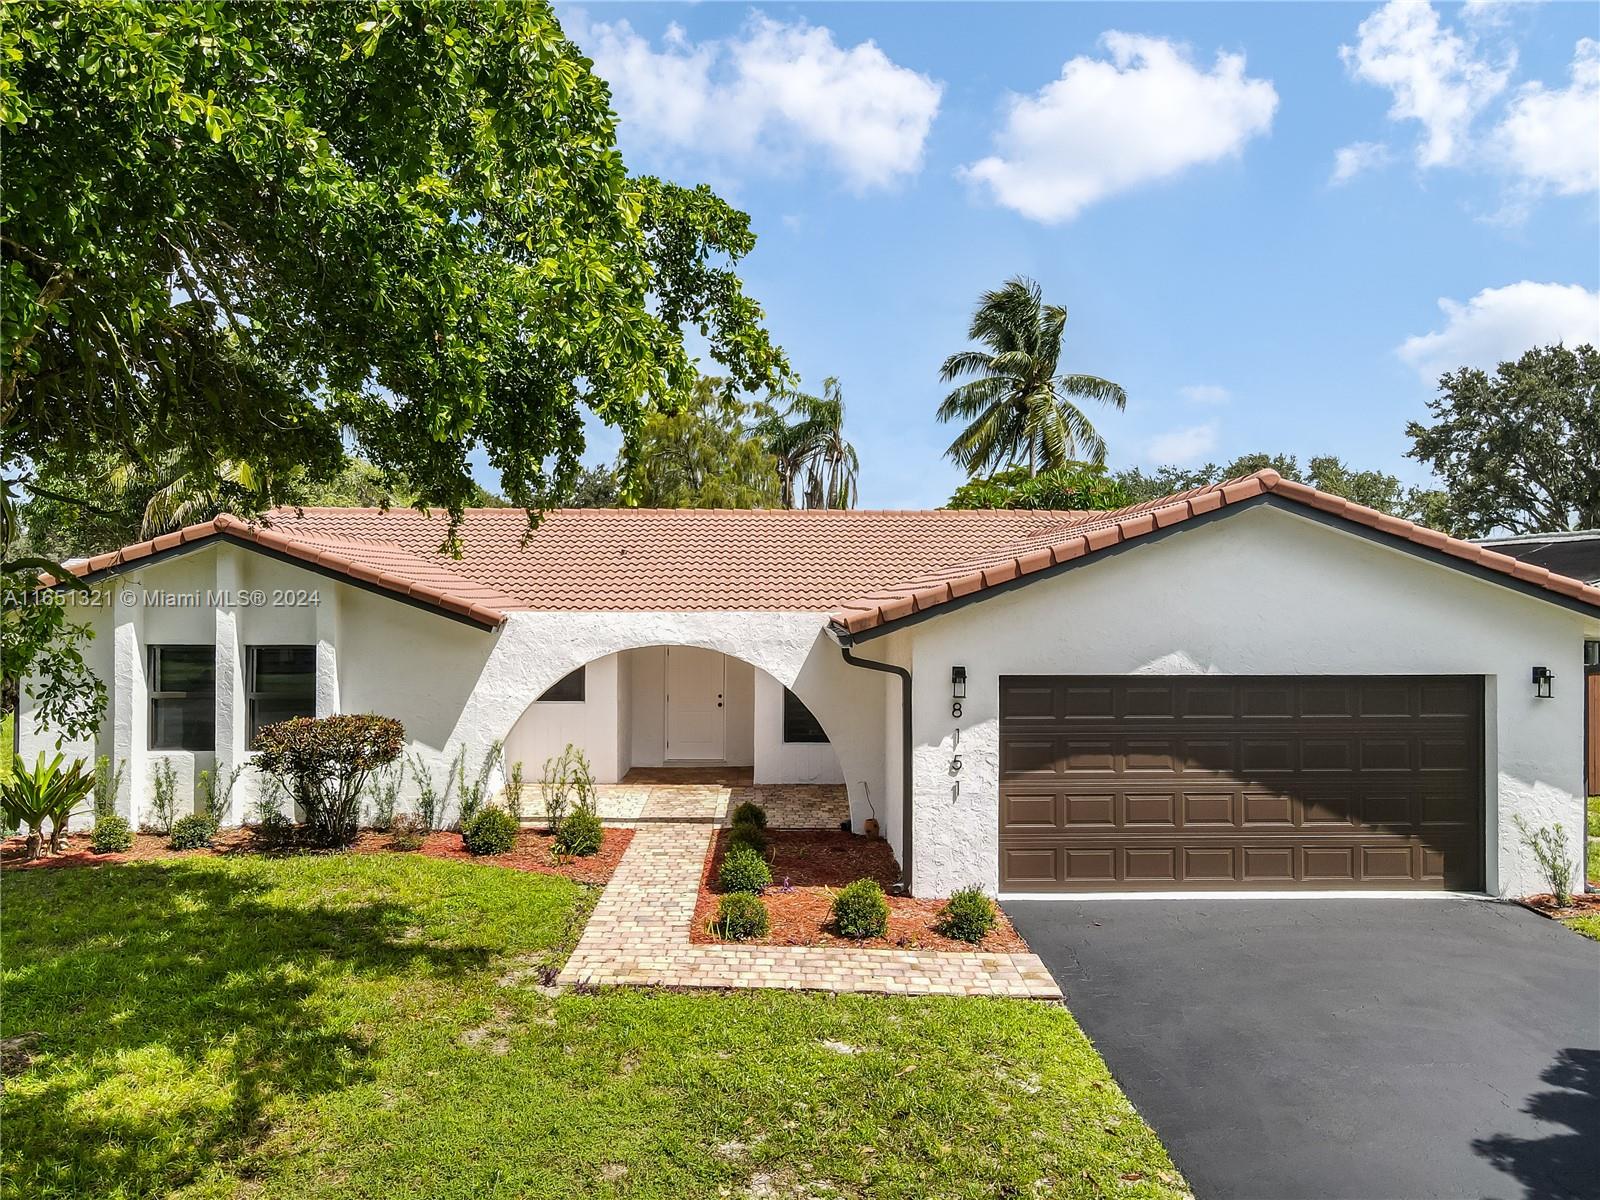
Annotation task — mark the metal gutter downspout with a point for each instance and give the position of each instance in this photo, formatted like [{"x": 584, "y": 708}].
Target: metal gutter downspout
[{"x": 905, "y": 746}]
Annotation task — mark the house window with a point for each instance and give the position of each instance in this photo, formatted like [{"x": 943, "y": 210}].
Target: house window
[
  {"x": 183, "y": 698},
  {"x": 798, "y": 723},
  {"x": 281, "y": 682},
  {"x": 567, "y": 690}
]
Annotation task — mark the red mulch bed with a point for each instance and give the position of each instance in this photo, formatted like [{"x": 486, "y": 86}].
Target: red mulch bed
[
  {"x": 531, "y": 853},
  {"x": 808, "y": 866},
  {"x": 1584, "y": 904}
]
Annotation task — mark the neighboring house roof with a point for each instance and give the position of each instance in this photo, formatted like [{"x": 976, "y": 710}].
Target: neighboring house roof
[
  {"x": 1575, "y": 553},
  {"x": 898, "y": 564},
  {"x": 1085, "y": 535}
]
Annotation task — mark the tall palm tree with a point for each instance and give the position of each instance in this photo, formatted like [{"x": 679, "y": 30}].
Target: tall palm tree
[
  {"x": 1015, "y": 404},
  {"x": 818, "y": 467}
]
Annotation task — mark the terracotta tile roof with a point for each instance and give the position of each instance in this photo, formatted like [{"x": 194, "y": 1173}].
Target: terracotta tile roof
[
  {"x": 1084, "y": 534},
  {"x": 384, "y": 565},
  {"x": 663, "y": 560},
  {"x": 618, "y": 559},
  {"x": 687, "y": 560}
]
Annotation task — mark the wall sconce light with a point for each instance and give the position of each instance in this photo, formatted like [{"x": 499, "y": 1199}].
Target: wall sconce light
[
  {"x": 1542, "y": 680},
  {"x": 958, "y": 682}
]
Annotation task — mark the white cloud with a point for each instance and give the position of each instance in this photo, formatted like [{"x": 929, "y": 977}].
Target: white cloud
[
  {"x": 1104, "y": 127},
  {"x": 1183, "y": 446},
  {"x": 1350, "y": 161},
  {"x": 1551, "y": 138},
  {"x": 775, "y": 93},
  {"x": 1204, "y": 393},
  {"x": 1434, "y": 75},
  {"x": 1501, "y": 323}
]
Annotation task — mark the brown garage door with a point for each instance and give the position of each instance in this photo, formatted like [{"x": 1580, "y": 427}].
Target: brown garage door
[{"x": 1146, "y": 782}]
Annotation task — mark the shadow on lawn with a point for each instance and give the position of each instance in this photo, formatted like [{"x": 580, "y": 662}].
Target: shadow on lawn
[
  {"x": 1566, "y": 1165},
  {"x": 175, "y": 1004}
]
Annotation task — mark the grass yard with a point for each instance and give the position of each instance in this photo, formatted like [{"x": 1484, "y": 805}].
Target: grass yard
[
  {"x": 1593, "y": 818},
  {"x": 373, "y": 1026}
]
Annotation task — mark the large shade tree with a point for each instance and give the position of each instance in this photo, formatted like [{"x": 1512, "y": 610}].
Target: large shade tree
[
  {"x": 1519, "y": 449},
  {"x": 272, "y": 233},
  {"x": 1017, "y": 404}
]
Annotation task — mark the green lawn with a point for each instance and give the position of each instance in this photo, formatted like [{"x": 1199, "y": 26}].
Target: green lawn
[
  {"x": 372, "y": 1026},
  {"x": 1593, "y": 818}
]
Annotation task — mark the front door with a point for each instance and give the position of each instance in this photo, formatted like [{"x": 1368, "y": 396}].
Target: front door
[{"x": 695, "y": 688}]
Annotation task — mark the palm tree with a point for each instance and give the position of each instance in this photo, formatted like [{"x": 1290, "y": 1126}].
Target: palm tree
[
  {"x": 818, "y": 467},
  {"x": 1016, "y": 405}
]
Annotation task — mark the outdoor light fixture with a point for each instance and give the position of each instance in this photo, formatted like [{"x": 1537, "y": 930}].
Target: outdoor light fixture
[
  {"x": 958, "y": 682},
  {"x": 1541, "y": 682}
]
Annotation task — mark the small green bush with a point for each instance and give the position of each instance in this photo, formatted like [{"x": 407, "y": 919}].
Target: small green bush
[
  {"x": 408, "y": 832},
  {"x": 491, "y": 831},
  {"x": 580, "y": 834},
  {"x": 112, "y": 835},
  {"x": 741, "y": 916},
  {"x": 749, "y": 813},
  {"x": 744, "y": 870},
  {"x": 749, "y": 835},
  {"x": 968, "y": 915},
  {"x": 193, "y": 832},
  {"x": 860, "y": 911}
]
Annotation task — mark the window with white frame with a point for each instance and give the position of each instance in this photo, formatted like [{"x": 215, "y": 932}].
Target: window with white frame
[
  {"x": 183, "y": 698},
  {"x": 281, "y": 682}
]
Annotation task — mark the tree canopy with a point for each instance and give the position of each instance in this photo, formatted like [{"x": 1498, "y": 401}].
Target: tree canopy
[
  {"x": 250, "y": 232},
  {"x": 1016, "y": 404},
  {"x": 709, "y": 454},
  {"x": 1518, "y": 450},
  {"x": 1079, "y": 486},
  {"x": 241, "y": 241},
  {"x": 1326, "y": 472}
]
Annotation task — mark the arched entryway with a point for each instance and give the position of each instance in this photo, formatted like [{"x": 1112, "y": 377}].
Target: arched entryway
[{"x": 650, "y": 716}]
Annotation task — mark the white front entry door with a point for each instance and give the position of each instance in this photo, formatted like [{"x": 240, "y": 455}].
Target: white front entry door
[{"x": 695, "y": 695}]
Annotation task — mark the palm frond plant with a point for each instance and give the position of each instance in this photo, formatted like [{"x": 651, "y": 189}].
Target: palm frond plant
[
  {"x": 1017, "y": 405},
  {"x": 817, "y": 465},
  {"x": 49, "y": 791}
]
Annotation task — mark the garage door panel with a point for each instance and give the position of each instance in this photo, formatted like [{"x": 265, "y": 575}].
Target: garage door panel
[
  {"x": 1284, "y": 781},
  {"x": 1151, "y": 811},
  {"x": 1030, "y": 811}
]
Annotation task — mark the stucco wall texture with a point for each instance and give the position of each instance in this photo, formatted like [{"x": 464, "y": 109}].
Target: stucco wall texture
[{"x": 1262, "y": 592}]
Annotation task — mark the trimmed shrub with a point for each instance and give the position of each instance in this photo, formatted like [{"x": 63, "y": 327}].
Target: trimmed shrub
[
  {"x": 324, "y": 762},
  {"x": 193, "y": 832},
  {"x": 752, "y": 836},
  {"x": 860, "y": 911},
  {"x": 741, "y": 916},
  {"x": 744, "y": 870},
  {"x": 492, "y": 831},
  {"x": 968, "y": 915},
  {"x": 275, "y": 829},
  {"x": 749, "y": 813},
  {"x": 580, "y": 834},
  {"x": 112, "y": 835}
]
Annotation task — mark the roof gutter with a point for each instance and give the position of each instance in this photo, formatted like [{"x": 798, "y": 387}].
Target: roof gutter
[{"x": 843, "y": 639}]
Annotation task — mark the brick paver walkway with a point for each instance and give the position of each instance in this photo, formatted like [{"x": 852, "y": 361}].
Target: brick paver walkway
[{"x": 639, "y": 934}]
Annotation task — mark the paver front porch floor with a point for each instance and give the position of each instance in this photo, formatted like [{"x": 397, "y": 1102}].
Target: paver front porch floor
[{"x": 639, "y": 932}]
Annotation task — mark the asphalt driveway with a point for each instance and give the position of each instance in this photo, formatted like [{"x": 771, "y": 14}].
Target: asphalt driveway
[{"x": 1328, "y": 1049}]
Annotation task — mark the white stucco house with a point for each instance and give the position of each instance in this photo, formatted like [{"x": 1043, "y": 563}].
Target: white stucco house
[{"x": 1251, "y": 686}]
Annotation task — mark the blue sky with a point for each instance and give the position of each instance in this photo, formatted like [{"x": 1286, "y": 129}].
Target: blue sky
[{"x": 1273, "y": 224}]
